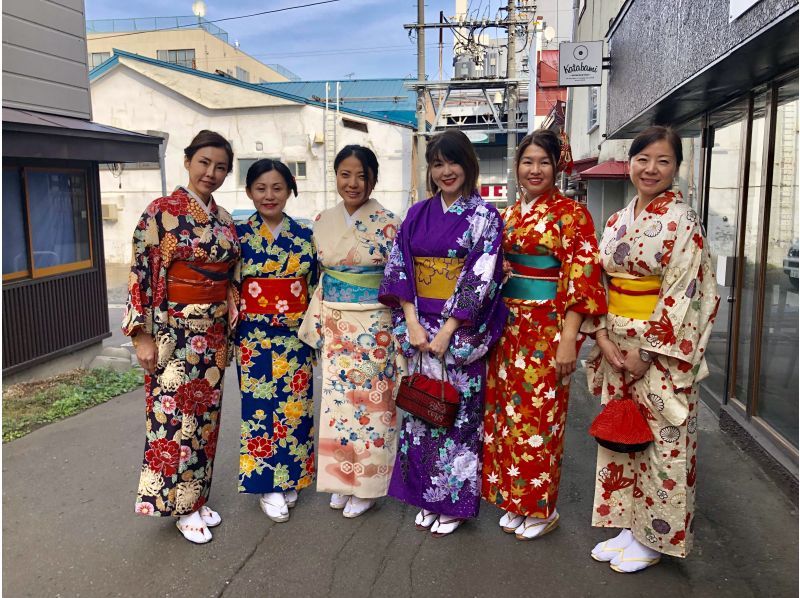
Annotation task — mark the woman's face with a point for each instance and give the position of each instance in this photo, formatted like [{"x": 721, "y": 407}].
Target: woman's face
[
  {"x": 448, "y": 176},
  {"x": 653, "y": 169},
  {"x": 269, "y": 194},
  {"x": 536, "y": 171},
  {"x": 352, "y": 183},
  {"x": 207, "y": 170}
]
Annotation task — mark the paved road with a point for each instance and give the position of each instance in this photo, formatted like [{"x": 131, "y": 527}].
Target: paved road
[{"x": 69, "y": 529}]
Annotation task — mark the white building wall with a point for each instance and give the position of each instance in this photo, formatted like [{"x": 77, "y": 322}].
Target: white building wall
[{"x": 129, "y": 100}]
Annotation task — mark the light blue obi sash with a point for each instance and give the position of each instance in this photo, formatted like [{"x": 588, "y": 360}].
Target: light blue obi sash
[
  {"x": 352, "y": 284},
  {"x": 533, "y": 277}
]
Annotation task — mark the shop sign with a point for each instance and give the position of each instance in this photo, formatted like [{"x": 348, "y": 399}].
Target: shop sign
[
  {"x": 580, "y": 63},
  {"x": 493, "y": 192},
  {"x": 738, "y": 7}
]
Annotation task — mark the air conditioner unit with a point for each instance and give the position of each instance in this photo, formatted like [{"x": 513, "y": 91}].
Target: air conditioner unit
[{"x": 109, "y": 211}]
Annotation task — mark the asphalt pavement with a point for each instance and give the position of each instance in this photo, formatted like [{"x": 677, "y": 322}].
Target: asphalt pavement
[{"x": 69, "y": 529}]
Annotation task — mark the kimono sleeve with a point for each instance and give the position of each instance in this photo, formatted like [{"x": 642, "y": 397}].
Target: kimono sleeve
[
  {"x": 683, "y": 318},
  {"x": 479, "y": 282},
  {"x": 312, "y": 278},
  {"x": 580, "y": 279},
  {"x": 398, "y": 284},
  {"x": 146, "y": 283}
]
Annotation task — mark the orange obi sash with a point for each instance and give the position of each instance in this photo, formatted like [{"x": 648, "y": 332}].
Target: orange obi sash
[
  {"x": 198, "y": 282},
  {"x": 274, "y": 295},
  {"x": 633, "y": 297}
]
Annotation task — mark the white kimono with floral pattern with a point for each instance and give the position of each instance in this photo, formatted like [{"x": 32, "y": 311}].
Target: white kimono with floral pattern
[{"x": 652, "y": 491}]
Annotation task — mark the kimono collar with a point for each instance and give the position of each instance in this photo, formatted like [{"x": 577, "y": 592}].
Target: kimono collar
[
  {"x": 460, "y": 200},
  {"x": 656, "y": 204},
  {"x": 209, "y": 208},
  {"x": 258, "y": 224},
  {"x": 349, "y": 218},
  {"x": 525, "y": 207}
]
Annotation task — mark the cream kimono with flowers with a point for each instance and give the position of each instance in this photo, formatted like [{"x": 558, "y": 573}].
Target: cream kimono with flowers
[
  {"x": 652, "y": 491},
  {"x": 357, "y": 425}
]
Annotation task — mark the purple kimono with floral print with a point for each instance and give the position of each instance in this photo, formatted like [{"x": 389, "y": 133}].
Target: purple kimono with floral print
[{"x": 439, "y": 469}]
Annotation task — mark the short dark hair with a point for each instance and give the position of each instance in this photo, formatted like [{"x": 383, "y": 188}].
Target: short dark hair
[
  {"x": 369, "y": 162},
  {"x": 545, "y": 139},
  {"x": 454, "y": 146},
  {"x": 266, "y": 165},
  {"x": 206, "y": 138},
  {"x": 657, "y": 133}
]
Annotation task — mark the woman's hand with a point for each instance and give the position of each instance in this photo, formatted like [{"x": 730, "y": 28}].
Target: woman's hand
[
  {"x": 611, "y": 352},
  {"x": 440, "y": 343},
  {"x": 636, "y": 365},
  {"x": 417, "y": 336},
  {"x": 566, "y": 358},
  {"x": 506, "y": 269},
  {"x": 146, "y": 351}
]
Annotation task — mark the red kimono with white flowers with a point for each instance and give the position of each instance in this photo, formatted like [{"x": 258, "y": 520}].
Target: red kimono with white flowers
[
  {"x": 184, "y": 394},
  {"x": 526, "y": 406},
  {"x": 652, "y": 491}
]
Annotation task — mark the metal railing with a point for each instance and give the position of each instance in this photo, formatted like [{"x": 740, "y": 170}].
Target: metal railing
[{"x": 154, "y": 24}]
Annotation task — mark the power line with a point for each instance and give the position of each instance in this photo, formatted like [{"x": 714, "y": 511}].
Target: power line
[{"x": 193, "y": 25}]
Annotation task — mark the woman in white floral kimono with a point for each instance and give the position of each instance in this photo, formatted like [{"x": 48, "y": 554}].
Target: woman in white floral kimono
[
  {"x": 662, "y": 304},
  {"x": 357, "y": 427}
]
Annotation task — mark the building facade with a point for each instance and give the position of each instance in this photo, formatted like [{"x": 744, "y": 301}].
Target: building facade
[
  {"x": 54, "y": 291},
  {"x": 261, "y": 121},
  {"x": 190, "y": 41},
  {"x": 725, "y": 75}
]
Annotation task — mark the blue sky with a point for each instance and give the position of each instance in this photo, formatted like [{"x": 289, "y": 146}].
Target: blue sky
[{"x": 362, "y": 37}]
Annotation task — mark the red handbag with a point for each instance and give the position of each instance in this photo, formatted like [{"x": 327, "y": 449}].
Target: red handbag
[
  {"x": 434, "y": 401},
  {"x": 620, "y": 426}
]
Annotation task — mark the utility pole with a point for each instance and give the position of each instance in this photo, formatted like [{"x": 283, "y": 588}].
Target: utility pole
[
  {"x": 511, "y": 102},
  {"x": 421, "y": 125}
]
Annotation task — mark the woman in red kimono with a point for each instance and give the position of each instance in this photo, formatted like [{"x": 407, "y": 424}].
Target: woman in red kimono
[
  {"x": 184, "y": 247},
  {"x": 553, "y": 282}
]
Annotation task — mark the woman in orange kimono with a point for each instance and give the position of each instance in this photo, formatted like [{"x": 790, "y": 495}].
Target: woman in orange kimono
[{"x": 554, "y": 281}]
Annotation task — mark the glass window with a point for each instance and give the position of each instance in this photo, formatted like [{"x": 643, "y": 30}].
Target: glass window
[
  {"x": 747, "y": 284},
  {"x": 594, "y": 107},
  {"x": 242, "y": 74},
  {"x": 59, "y": 220},
  {"x": 244, "y": 164},
  {"x": 298, "y": 169},
  {"x": 778, "y": 390},
  {"x": 98, "y": 58},
  {"x": 183, "y": 57},
  {"x": 15, "y": 243}
]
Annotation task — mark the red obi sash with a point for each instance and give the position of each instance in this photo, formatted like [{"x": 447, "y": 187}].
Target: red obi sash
[
  {"x": 198, "y": 282},
  {"x": 274, "y": 295}
]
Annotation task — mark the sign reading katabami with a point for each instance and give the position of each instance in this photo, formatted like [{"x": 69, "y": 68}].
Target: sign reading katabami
[{"x": 580, "y": 63}]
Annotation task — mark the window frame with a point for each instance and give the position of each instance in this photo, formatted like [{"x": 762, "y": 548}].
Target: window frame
[
  {"x": 32, "y": 271},
  {"x": 242, "y": 74},
  {"x": 293, "y": 169}
]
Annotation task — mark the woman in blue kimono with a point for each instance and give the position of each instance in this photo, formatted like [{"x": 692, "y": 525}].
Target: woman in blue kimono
[{"x": 276, "y": 275}]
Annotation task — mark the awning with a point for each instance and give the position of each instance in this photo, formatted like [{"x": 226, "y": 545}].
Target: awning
[
  {"x": 773, "y": 51},
  {"x": 29, "y": 134},
  {"x": 612, "y": 169}
]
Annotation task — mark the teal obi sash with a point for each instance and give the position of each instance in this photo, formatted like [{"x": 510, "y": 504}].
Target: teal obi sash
[
  {"x": 352, "y": 284},
  {"x": 533, "y": 277}
]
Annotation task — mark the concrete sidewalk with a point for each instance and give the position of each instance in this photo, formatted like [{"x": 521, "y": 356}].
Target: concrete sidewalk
[{"x": 69, "y": 529}]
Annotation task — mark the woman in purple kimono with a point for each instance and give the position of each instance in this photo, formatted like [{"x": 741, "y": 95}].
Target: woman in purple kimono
[{"x": 442, "y": 282}]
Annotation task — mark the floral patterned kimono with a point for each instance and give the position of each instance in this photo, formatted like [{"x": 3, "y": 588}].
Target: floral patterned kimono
[
  {"x": 456, "y": 250},
  {"x": 553, "y": 252},
  {"x": 358, "y": 420},
  {"x": 652, "y": 491},
  {"x": 184, "y": 394},
  {"x": 276, "y": 276}
]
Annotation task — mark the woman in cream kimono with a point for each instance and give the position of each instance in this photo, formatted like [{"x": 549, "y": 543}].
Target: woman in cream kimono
[
  {"x": 662, "y": 304},
  {"x": 357, "y": 427}
]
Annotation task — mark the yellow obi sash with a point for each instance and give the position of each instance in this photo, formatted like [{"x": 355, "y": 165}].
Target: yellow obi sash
[
  {"x": 633, "y": 297},
  {"x": 436, "y": 277}
]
